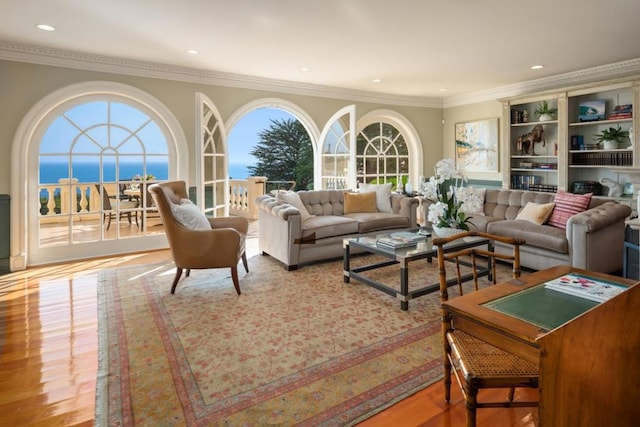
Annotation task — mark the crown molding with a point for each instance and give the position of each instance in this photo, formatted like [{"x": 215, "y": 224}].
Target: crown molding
[
  {"x": 621, "y": 69},
  {"x": 42, "y": 55}
]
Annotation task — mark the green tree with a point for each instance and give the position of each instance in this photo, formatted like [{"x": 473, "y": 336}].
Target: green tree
[{"x": 284, "y": 153}]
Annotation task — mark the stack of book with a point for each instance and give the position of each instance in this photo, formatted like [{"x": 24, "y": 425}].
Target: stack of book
[
  {"x": 622, "y": 112},
  {"x": 585, "y": 287},
  {"x": 400, "y": 240}
]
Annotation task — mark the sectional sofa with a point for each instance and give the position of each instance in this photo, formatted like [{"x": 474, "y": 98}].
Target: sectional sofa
[
  {"x": 593, "y": 239},
  {"x": 296, "y": 236}
]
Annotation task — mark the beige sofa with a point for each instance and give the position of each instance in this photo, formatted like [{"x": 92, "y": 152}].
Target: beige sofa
[
  {"x": 593, "y": 239},
  {"x": 285, "y": 236}
]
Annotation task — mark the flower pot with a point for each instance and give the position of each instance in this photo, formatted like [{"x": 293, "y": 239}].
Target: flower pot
[
  {"x": 545, "y": 117},
  {"x": 446, "y": 231},
  {"x": 610, "y": 144}
]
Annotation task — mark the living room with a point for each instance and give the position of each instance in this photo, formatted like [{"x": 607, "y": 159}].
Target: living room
[{"x": 36, "y": 68}]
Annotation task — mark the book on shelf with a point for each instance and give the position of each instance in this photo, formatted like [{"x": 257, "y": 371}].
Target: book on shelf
[
  {"x": 585, "y": 287},
  {"x": 618, "y": 116}
]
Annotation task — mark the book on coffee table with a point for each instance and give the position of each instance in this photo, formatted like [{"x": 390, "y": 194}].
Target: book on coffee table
[{"x": 400, "y": 239}]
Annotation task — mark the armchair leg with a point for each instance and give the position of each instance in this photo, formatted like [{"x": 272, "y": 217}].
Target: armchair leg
[
  {"x": 234, "y": 277},
  {"x": 188, "y": 272},
  {"x": 244, "y": 262},
  {"x": 175, "y": 279}
]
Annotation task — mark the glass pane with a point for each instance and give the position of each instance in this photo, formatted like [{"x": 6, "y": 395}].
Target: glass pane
[
  {"x": 118, "y": 136},
  {"x": 208, "y": 168},
  {"x": 85, "y": 145},
  {"x": 58, "y": 136},
  {"x": 108, "y": 168},
  {"x": 99, "y": 137},
  {"x": 209, "y": 198},
  {"x": 87, "y": 115},
  {"x": 127, "y": 116},
  {"x": 54, "y": 231},
  {"x": 158, "y": 167},
  {"x": 361, "y": 143},
  {"x": 153, "y": 139},
  {"x": 86, "y": 168},
  {"x": 52, "y": 168},
  {"x": 220, "y": 168},
  {"x": 389, "y": 132},
  {"x": 401, "y": 146},
  {"x": 131, "y": 167},
  {"x": 372, "y": 131},
  {"x": 86, "y": 228}
]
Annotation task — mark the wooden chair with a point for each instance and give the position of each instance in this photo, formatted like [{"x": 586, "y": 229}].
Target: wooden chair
[
  {"x": 109, "y": 213},
  {"x": 220, "y": 247},
  {"x": 476, "y": 363}
]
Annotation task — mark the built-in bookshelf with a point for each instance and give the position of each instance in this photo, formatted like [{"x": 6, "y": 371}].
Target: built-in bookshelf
[{"x": 568, "y": 151}]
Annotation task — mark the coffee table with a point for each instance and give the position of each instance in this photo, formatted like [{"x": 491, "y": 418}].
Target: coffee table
[{"x": 422, "y": 250}]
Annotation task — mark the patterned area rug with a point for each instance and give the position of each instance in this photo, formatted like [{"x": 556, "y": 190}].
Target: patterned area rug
[{"x": 296, "y": 348}]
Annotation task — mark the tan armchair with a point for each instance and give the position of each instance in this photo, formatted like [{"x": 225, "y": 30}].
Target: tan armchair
[{"x": 222, "y": 246}]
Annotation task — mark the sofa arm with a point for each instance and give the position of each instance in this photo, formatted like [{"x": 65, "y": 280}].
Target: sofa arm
[
  {"x": 596, "y": 237},
  {"x": 404, "y": 205},
  {"x": 279, "y": 230}
]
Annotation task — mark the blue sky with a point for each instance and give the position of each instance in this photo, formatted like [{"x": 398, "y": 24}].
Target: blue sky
[{"x": 244, "y": 135}]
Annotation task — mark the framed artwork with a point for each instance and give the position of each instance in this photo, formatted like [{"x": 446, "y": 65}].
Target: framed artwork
[{"x": 477, "y": 145}]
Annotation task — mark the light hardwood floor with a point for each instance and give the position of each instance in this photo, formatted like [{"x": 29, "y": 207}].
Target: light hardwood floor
[{"x": 48, "y": 359}]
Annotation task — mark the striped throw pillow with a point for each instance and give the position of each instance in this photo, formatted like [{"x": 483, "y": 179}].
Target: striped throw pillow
[{"x": 567, "y": 205}]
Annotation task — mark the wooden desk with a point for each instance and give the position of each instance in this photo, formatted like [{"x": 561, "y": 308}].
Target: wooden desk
[{"x": 540, "y": 345}]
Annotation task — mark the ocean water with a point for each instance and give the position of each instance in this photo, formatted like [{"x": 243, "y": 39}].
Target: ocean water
[{"x": 52, "y": 171}]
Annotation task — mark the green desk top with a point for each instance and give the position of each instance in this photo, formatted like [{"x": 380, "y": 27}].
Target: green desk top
[{"x": 542, "y": 307}]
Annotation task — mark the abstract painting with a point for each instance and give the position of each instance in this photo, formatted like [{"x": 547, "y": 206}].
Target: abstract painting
[{"x": 477, "y": 145}]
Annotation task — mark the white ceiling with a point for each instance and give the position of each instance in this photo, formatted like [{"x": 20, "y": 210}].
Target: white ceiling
[{"x": 416, "y": 47}]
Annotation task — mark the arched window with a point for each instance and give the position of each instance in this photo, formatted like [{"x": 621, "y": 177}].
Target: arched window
[
  {"x": 95, "y": 161},
  {"x": 85, "y": 155},
  {"x": 382, "y": 154}
]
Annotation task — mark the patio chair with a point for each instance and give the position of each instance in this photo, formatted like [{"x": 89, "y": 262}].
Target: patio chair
[{"x": 123, "y": 204}]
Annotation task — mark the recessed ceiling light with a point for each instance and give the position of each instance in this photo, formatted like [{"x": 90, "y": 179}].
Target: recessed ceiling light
[
  {"x": 45, "y": 27},
  {"x": 377, "y": 80},
  {"x": 192, "y": 52},
  {"x": 537, "y": 67},
  {"x": 444, "y": 89},
  {"x": 304, "y": 69}
]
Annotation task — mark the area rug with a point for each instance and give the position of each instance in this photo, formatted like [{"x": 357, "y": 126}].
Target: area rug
[{"x": 296, "y": 348}]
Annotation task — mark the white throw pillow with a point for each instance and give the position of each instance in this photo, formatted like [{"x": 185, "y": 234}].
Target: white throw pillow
[
  {"x": 190, "y": 216},
  {"x": 383, "y": 195},
  {"x": 472, "y": 200},
  {"x": 292, "y": 198}
]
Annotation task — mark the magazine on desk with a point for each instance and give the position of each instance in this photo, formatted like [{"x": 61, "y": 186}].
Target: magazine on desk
[{"x": 585, "y": 287}]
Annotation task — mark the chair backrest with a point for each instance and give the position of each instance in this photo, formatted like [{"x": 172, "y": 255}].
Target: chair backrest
[
  {"x": 469, "y": 257},
  {"x": 106, "y": 202}
]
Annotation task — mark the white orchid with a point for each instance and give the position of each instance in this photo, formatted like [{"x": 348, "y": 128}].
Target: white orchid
[{"x": 442, "y": 190}]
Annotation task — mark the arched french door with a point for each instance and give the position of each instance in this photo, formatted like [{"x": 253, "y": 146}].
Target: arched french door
[{"x": 89, "y": 152}]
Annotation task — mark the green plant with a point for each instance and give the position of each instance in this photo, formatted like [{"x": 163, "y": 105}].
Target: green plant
[
  {"x": 611, "y": 134},
  {"x": 544, "y": 109}
]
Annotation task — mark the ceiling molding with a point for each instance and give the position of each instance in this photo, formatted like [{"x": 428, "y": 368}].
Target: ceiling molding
[
  {"x": 42, "y": 55},
  {"x": 575, "y": 78},
  {"x": 91, "y": 62}
]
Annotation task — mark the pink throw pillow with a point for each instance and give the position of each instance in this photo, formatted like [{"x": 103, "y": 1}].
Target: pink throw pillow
[{"x": 567, "y": 205}]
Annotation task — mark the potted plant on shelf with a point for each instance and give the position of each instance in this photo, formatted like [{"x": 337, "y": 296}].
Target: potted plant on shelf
[
  {"x": 544, "y": 113},
  {"x": 611, "y": 137}
]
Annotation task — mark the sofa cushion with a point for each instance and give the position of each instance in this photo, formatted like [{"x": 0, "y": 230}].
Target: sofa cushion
[
  {"x": 323, "y": 202},
  {"x": 567, "y": 205},
  {"x": 505, "y": 204},
  {"x": 292, "y": 198},
  {"x": 379, "y": 221},
  {"x": 359, "y": 202},
  {"x": 472, "y": 200},
  {"x": 321, "y": 226},
  {"x": 541, "y": 236},
  {"x": 480, "y": 222},
  {"x": 536, "y": 213},
  {"x": 383, "y": 195}
]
